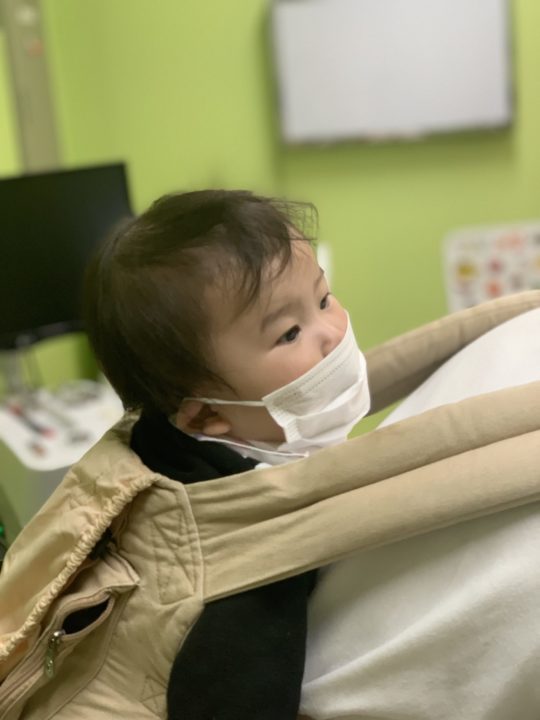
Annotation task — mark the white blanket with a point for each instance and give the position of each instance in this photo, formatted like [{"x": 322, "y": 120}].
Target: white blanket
[{"x": 446, "y": 625}]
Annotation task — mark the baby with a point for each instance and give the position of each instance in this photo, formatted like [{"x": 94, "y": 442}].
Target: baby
[{"x": 209, "y": 314}]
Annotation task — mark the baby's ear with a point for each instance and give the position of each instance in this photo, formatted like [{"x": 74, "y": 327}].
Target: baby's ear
[{"x": 197, "y": 417}]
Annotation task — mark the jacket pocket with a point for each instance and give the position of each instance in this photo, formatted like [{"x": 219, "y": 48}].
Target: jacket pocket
[{"x": 93, "y": 598}]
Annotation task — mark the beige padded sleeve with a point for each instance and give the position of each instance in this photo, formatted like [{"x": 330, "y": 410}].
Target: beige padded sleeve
[
  {"x": 449, "y": 464},
  {"x": 399, "y": 366}
]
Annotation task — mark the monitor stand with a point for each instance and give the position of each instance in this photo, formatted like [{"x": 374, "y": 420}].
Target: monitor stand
[{"x": 12, "y": 370}]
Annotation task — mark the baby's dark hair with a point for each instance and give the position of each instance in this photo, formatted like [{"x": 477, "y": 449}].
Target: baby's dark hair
[{"x": 143, "y": 294}]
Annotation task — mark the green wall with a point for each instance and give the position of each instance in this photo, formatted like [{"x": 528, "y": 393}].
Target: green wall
[
  {"x": 178, "y": 91},
  {"x": 183, "y": 91},
  {"x": 9, "y": 156}
]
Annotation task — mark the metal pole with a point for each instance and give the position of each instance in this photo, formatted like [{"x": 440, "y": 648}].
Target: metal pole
[{"x": 36, "y": 124}]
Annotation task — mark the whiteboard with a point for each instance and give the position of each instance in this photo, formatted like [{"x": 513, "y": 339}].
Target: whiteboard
[{"x": 379, "y": 69}]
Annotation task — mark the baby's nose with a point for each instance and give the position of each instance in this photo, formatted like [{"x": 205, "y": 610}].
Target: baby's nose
[{"x": 333, "y": 335}]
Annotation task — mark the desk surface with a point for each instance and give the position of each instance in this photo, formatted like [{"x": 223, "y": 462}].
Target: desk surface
[{"x": 54, "y": 430}]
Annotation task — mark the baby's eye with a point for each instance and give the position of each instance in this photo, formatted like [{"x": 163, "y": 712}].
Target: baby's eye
[
  {"x": 290, "y": 336},
  {"x": 325, "y": 302}
]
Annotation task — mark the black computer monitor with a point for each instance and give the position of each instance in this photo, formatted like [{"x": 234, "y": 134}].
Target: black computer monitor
[{"x": 50, "y": 224}]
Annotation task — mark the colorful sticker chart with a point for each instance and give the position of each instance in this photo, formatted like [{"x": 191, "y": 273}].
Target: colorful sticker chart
[{"x": 484, "y": 263}]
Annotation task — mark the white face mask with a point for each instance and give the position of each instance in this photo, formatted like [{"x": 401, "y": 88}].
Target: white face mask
[{"x": 321, "y": 407}]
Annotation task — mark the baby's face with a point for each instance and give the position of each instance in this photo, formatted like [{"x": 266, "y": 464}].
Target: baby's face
[{"x": 291, "y": 327}]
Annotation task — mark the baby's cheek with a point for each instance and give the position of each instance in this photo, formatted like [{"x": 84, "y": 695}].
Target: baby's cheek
[
  {"x": 289, "y": 369},
  {"x": 256, "y": 424}
]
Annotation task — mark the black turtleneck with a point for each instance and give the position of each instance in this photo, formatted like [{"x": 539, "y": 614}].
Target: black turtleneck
[{"x": 244, "y": 658}]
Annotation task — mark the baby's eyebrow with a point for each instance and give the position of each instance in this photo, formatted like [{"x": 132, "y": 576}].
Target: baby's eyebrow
[
  {"x": 287, "y": 307},
  {"x": 271, "y": 317}
]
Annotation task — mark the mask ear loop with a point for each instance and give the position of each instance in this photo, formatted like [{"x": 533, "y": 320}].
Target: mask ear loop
[{"x": 217, "y": 401}]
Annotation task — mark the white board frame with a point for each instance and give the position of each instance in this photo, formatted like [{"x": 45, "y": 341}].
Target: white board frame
[{"x": 391, "y": 69}]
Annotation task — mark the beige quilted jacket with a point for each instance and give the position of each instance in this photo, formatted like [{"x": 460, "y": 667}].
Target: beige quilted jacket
[{"x": 176, "y": 547}]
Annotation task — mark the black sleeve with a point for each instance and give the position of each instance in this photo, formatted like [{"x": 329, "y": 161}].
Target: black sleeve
[{"x": 244, "y": 658}]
